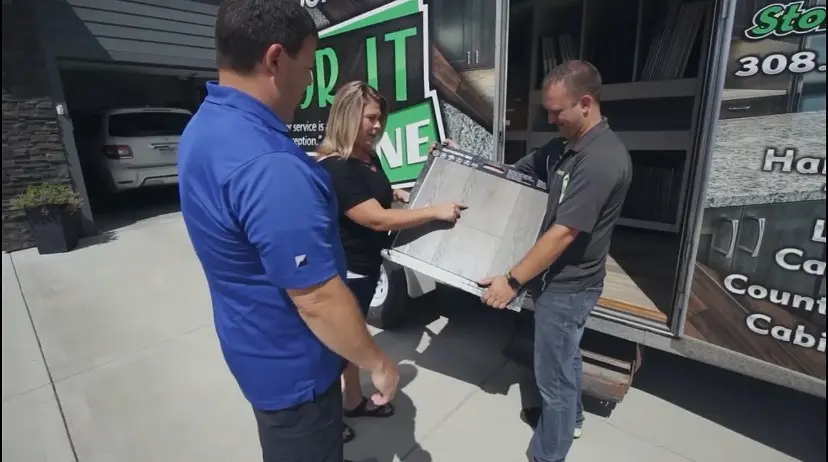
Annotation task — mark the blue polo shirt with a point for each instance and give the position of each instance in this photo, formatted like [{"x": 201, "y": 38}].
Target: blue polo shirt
[{"x": 261, "y": 216}]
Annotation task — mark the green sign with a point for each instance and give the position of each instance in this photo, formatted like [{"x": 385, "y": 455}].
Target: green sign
[
  {"x": 403, "y": 148},
  {"x": 387, "y": 47}
]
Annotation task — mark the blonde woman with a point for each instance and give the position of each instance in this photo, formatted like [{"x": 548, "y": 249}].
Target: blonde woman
[{"x": 365, "y": 195}]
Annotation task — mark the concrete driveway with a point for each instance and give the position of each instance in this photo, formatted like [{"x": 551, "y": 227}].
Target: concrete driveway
[{"x": 132, "y": 372}]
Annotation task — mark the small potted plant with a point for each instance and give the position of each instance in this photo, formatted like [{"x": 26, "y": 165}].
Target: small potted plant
[{"x": 53, "y": 214}]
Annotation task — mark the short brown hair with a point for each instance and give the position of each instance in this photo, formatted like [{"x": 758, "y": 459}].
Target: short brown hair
[
  {"x": 245, "y": 29},
  {"x": 580, "y": 78}
]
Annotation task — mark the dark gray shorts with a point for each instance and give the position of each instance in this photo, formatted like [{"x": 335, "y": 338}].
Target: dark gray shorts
[{"x": 309, "y": 432}]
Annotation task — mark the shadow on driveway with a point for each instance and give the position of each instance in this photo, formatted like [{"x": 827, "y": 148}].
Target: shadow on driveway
[
  {"x": 115, "y": 212},
  {"x": 393, "y": 439},
  {"x": 786, "y": 420},
  {"x": 452, "y": 333}
]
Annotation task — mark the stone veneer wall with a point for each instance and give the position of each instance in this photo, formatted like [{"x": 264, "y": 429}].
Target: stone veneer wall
[{"x": 33, "y": 149}]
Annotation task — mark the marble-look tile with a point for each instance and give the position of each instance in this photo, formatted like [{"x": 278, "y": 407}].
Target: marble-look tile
[
  {"x": 736, "y": 176},
  {"x": 483, "y": 81},
  {"x": 466, "y": 132}
]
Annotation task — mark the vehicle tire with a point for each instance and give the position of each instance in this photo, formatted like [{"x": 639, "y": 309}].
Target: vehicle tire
[{"x": 390, "y": 302}]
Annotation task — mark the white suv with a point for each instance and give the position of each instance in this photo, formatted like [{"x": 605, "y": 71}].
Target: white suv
[{"x": 130, "y": 148}]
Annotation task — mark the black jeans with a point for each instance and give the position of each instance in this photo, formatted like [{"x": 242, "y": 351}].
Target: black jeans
[{"x": 309, "y": 432}]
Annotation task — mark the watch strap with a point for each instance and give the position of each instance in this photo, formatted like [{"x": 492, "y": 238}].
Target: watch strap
[{"x": 513, "y": 283}]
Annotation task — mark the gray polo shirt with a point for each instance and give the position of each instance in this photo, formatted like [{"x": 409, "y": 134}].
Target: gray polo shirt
[{"x": 588, "y": 181}]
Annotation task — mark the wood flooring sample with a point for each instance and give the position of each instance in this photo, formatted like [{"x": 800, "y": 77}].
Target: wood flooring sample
[
  {"x": 487, "y": 195},
  {"x": 466, "y": 252},
  {"x": 422, "y": 242},
  {"x": 521, "y": 231},
  {"x": 502, "y": 222}
]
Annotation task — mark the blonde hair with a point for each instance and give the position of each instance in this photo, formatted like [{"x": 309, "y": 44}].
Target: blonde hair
[{"x": 345, "y": 118}]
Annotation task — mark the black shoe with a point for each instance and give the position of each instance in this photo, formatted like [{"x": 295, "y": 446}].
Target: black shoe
[
  {"x": 531, "y": 416},
  {"x": 347, "y": 434}
]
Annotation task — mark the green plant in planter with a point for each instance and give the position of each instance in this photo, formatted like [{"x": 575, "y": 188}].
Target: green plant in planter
[
  {"x": 52, "y": 212},
  {"x": 44, "y": 194}
]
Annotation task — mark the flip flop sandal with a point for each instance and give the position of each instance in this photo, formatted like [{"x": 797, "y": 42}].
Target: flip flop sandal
[
  {"x": 386, "y": 410},
  {"x": 347, "y": 433}
]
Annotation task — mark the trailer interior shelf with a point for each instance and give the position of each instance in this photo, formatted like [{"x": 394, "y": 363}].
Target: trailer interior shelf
[{"x": 649, "y": 53}]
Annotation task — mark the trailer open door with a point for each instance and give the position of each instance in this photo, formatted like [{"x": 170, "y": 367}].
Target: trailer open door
[
  {"x": 684, "y": 99},
  {"x": 655, "y": 58},
  {"x": 753, "y": 289},
  {"x": 655, "y": 109},
  {"x": 713, "y": 80}
]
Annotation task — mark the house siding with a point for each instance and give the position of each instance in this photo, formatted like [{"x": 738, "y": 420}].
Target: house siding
[{"x": 176, "y": 33}]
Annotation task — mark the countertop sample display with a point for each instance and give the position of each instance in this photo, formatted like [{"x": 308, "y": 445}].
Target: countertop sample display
[
  {"x": 503, "y": 219},
  {"x": 736, "y": 175}
]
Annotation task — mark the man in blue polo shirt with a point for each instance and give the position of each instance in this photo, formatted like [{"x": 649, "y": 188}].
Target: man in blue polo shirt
[{"x": 261, "y": 216}]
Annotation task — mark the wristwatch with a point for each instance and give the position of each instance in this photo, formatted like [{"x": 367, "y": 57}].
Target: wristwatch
[{"x": 513, "y": 283}]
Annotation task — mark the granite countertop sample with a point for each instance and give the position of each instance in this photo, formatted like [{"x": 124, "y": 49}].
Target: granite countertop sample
[{"x": 736, "y": 175}]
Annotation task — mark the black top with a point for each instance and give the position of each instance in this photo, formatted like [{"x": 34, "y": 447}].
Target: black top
[
  {"x": 588, "y": 181},
  {"x": 355, "y": 182}
]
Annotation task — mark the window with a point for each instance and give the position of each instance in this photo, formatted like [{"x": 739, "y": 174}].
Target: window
[
  {"x": 138, "y": 124},
  {"x": 812, "y": 85}
]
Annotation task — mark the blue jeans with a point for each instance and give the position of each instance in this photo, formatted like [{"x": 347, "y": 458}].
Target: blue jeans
[{"x": 559, "y": 325}]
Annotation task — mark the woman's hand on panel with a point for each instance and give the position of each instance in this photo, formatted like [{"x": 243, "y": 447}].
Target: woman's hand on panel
[
  {"x": 449, "y": 212},
  {"x": 401, "y": 195}
]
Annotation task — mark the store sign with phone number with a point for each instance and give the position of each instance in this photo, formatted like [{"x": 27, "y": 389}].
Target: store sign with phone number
[
  {"x": 790, "y": 23},
  {"x": 777, "y": 21}
]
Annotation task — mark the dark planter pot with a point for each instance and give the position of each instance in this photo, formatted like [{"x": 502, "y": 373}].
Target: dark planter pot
[{"x": 55, "y": 228}]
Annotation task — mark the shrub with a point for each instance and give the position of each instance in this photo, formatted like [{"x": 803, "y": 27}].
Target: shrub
[{"x": 44, "y": 194}]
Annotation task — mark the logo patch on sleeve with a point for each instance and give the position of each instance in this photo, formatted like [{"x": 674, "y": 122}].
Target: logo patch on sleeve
[
  {"x": 301, "y": 261},
  {"x": 564, "y": 184}
]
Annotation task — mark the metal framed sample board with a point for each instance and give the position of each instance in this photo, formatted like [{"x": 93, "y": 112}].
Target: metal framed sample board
[{"x": 502, "y": 222}]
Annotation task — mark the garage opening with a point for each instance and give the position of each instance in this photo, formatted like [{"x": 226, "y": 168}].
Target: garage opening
[{"x": 126, "y": 124}]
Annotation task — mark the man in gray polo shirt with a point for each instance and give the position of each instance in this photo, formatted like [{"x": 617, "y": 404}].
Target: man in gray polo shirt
[{"x": 588, "y": 171}]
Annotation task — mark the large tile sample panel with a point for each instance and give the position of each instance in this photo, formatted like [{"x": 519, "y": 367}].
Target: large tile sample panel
[{"x": 504, "y": 215}]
